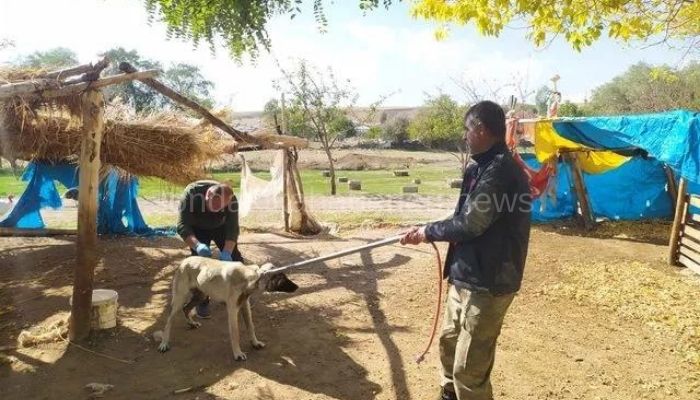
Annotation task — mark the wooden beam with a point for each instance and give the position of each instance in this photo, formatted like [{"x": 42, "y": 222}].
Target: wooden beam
[
  {"x": 27, "y": 87},
  {"x": 581, "y": 192},
  {"x": 286, "y": 172},
  {"x": 180, "y": 99},
  {"x": 692, "y": 232},
  {"x": 19, "y": 232},
  {"x": 93, "y": 126},
  {"x": 671, "y": 183},
  {"x": 689, "y": 252},
  {"x": 694, "y": 200},
  {"x": 690, "y": 264},
  {"x": 690, "y": 243},
  {"x": 100, "y": 83},
  {"x": 49, "y": 88},
  {"x": 678, "y": 218}
]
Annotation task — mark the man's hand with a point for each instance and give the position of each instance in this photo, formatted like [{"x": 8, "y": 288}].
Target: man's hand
[
  {"x": 225, "y": 255},
  {"x": 202, "y": 250},
  {"x": 416, "y": 235}
]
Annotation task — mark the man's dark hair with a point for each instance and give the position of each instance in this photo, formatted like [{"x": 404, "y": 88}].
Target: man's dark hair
[{"x": 490, "y": 115}]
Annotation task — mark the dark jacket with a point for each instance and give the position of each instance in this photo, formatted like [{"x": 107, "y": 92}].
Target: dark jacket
[
  {"x": 490, "y": 229},
  {"x": 193, "y": 213}
]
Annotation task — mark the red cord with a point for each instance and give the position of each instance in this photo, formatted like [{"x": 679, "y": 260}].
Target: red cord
[{"x": 421, "y": 357}]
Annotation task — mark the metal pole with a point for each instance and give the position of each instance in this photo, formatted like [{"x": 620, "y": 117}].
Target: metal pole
[{"x": 372, "y": 245}]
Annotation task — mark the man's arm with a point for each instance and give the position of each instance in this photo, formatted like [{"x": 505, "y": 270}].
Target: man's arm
[
  {"x": 232, "y": 227},
  {"x": 184, "y": 222},
  {"x": 478, "y": 213}
]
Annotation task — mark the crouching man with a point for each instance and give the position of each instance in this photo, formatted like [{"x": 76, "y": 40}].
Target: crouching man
[
  {"x": 209, "y": 211},
  {"x": 488, "y": 236}
]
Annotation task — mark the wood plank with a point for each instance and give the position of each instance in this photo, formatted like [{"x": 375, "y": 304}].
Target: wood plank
[
  {"x": 20, "y": 232},
  {"x": 671, "y": 183},
  {"x": 694, "y": 217},
  {"x": 50, "y": 88},
  {"x": 180, "y": 99},
  {"x": 581, "y": 192},
  {"x": 694, "y": 201},
  {"x": 690, "y": 253},
  {"x": 692, "y": 232},
  {"x": 689, "y": 242},
  {"x": 678, "y": 218},
  {"x": 93, "y": 126},
  {"x": 690, "y": 264}
]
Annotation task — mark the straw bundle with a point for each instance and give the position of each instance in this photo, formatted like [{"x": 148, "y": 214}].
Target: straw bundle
[{"x": 157, "y": 145}]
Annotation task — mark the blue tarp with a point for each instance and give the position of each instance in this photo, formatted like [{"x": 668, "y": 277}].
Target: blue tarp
[
  {"x": 635, "y": 190},
  {"x": 671, "y": 137},
  {"x": 118, "y": 211}
]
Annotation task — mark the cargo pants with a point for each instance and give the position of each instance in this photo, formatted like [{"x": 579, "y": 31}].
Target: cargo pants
[{"x": 471, "y": 325}]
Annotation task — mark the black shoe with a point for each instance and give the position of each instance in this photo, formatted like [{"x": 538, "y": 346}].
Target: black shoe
[{"x": 447, "y": 394}]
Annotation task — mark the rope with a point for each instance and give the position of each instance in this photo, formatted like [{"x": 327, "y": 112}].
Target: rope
[{"x": 436, "y": 317}]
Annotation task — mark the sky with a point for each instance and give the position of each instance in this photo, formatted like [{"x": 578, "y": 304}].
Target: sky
[{"x": 384, "y": 53}]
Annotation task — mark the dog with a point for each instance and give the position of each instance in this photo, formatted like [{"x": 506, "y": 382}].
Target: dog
[{"x": 223, "y": 281}]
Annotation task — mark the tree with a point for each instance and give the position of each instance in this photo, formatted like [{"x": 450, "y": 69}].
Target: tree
[
  {"x": 6, "y": 44},
  {"x": 56, "y": 58},
  {"x": 134, "y": 94},
  {"x": 317, "y": 102},
  {"x": 581, "y": 22},
  {"x": 271, "y": 114},
  {"x": 542, "y": 99},
  {"x": 440, "y": 125},
  {"x": 569, "y": 109},
  {"x": 240, "y": 25},
  {"x": 396, "y": 130},
  {"x": 184, "y": 78},
  {"x": 645, "y": 88},
  {"x": 187, "y": 79}
]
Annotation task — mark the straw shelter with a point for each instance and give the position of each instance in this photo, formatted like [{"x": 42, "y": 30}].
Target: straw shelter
[{"x": 59, "y": 117}]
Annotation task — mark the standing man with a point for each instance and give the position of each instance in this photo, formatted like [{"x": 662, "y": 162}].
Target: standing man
[
  {"x": 488, "y": 236},
  {"x": 209, "y": 211}
]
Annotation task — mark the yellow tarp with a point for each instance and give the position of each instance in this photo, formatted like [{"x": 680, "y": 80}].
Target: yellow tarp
[{"x": 548, "y": 142}]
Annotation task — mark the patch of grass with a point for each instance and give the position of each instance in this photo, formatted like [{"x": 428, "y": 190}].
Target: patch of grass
[{"x": 434, "y": 181}]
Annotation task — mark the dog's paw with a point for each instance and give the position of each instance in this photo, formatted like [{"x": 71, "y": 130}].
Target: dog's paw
[
  {"x": 164, "y": 347},
  {"x": 257, "y": 344},
  {"x": 240, "y": 356},
  {"x": 193, "y": 324}
]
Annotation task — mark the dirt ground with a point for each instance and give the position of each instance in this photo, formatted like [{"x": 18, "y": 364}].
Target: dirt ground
[{"x": 350, "y": 332}]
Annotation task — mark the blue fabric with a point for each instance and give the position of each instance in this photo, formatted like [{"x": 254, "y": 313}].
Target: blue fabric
[
  {"x": 635, "y": 190},
  {"x": 563, "y": 206},
  {"x": 40, "y": 193},
  {"x": 118, "y": 211},
  {"x": 671, "y": 137}
]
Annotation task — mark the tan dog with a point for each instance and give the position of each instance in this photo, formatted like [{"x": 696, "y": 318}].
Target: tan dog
[{"x": 224, "y": 281}]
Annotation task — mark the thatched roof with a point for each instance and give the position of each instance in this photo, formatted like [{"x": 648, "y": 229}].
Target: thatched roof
[
  {"x": 159, "y": 145},
  {"x": 162, "y": 145}
]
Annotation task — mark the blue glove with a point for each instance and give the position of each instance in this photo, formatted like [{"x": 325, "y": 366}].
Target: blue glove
[
  {"x": 202, "y": 250},
  {"x": 225, "y": 256}
]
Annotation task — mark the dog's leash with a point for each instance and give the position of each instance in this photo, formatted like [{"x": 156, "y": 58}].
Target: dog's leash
[{"x": 368, "y": 246}]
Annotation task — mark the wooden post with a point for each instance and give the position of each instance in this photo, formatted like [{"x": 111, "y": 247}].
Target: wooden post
[
  {"x": 671, "y": 182},
  {"x": 678, "y": 220},
  {"x": 285, "y": 170},
  {"x": 581, "y": 192},
  {"x": 93, "y": 125}
]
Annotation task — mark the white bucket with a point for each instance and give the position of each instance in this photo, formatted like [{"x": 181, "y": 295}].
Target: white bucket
[{"x": 104, "y": 309}]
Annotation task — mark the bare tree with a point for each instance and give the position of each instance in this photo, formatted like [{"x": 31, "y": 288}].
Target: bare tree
[{"x": 317, "y": 102}]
